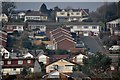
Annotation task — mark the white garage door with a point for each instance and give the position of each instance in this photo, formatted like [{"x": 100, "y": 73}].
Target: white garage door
[{"x": 86, "y": 34}]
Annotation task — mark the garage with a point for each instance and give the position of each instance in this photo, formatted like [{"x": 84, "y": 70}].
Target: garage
[{"x": 85, "y": 33}]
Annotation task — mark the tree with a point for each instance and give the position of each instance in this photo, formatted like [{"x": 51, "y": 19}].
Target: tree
[
  {"x": 16, "y": 33},
  {"x": 43, "y": 8},
  {"x": 96, "y": 64},
  {"x": 7, "y": 7},
  {"x": 26, "y": 43},
  {"x": 106, "y": 12}
]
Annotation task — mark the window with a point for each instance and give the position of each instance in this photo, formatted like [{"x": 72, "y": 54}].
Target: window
[
  {"x": 62, "y": 13},
  {"x": 72, "y": 13},
  {"x": 6, "y": 54},
  {"x": 60, "y": 67},
  {"x": 20, "y": 62},
  {"x": 14, "y": 69},
  {"x": 68, "y": 67},
  {"x": 8, "y": 62},
  {"x": 19, "y": 27},
  {"x": 85, "y": 27},
  {"x": 94, "y": 27},
  {"x": 28, "y": 61},
  {"x": 44, "y": 17},
  {"x": 77, "y": 13}
]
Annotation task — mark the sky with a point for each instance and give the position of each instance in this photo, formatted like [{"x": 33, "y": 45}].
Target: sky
[
  {"x": 62, "y": 0},
  {"x": 92, "y": 6}
]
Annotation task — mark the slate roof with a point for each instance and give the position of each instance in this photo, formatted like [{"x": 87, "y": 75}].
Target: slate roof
[{"x": 35, "y": 13}]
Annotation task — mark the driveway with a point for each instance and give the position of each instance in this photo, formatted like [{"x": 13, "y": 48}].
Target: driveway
[{"x": 93, "y": 44}]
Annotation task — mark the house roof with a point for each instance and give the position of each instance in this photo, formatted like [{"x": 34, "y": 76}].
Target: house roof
[
  {"x": 35, "y": 13},
  {"x": 58, "y": 57},
  {"x": 62, "y": 37},
  {"x": 75, "y": 10},
  {"x": 58, "y": 24},
  {"x": 60, "y": 33},
  {"x": 116, "y": 21},
  {"x": 65, "y": 39},
  {"x": 18, "y": 11},
  {"x": 59, "y": 60},
  {"x": 16, "y": 23},
  {"x": 58, "y": 30}
]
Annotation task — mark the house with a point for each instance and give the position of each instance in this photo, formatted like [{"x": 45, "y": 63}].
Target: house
[
  {"x": 61, "y": 65},
  {"x": 85, "y": 29},
  {"x": 62, "y": 39},
  {"x": 17, "y": 14},
  {"x": 38, "y": 55},
  {"x": 3, "y": 38},
  {"x": 28, "y": 55},
  {"x": 36, "y": 25},
  {"x": 3, "y": 17},
  {"x": 35, "y": 16},
  {"x": 79, "y": 58},
  {"x": 14, "y": 66},
  {"x": 68, "y": 15},
  {"x": 114, "y": 26},
  {"x": 4, "y": 52},
  {"x": 43, "y": 58},
  {"x": 11, "y": 27}
]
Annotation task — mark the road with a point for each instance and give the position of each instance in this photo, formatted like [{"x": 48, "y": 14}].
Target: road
[{"x": 93, "y": 44}]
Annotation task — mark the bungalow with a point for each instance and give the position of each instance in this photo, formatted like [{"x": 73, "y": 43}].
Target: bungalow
[
  {"x": 35, "y": 16},
  {"x": 17, "y": 14},
  {"x": 36, "y": 27},
  {"x": 85, "y": 29},
  {"x": 61, "y": 65},
  {"x": 68, "y": 15},
  {"x": 11, "y": 27}
]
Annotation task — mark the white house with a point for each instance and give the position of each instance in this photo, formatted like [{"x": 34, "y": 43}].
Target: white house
[
  {"x": 43, "y": 58},
  {"x": 86, "y": 29},
  {"x": 18, "y": 14},
  {"x": 3, "y": 17},
  {"x": 4, "y": 52},
  {"x": 61, "y": 65},
  {"x": 35, "y": 15},
  {"x": 21, "y": 15},
  {"x": 11, "y": 27},
  {"x": 28, "y": 55},
  {"x": 79, "y": 58},
  {"x": 72, "y": 15},
  {"x": 36, "y": 25},
  {"x": 113, "y": 26}
]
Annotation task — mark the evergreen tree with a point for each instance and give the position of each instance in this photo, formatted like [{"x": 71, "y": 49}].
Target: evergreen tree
[{"x": 43, "y": 8}]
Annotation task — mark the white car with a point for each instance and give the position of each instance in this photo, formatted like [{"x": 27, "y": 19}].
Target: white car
[{"x": 114, "y": 48}]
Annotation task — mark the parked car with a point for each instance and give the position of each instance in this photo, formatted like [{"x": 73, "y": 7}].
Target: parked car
[{"x": 115, "y": 47}]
